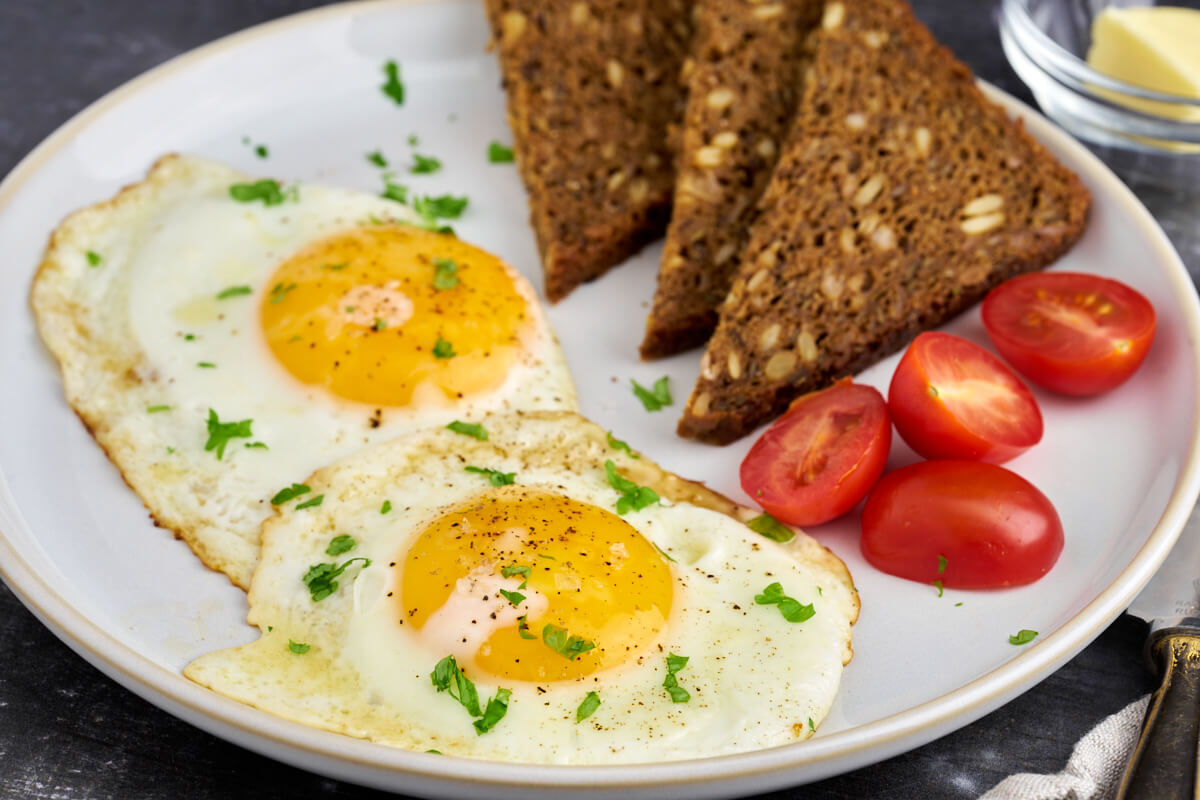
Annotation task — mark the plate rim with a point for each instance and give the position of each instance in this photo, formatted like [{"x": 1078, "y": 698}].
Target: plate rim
[{"x": 365, "y": 762}]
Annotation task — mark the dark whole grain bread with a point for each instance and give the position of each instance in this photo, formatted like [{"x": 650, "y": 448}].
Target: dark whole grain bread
[
  {"x": 594, "y": 103},
  {"x": 901, "y": 196},
  {"x": 744, "y": 78}
]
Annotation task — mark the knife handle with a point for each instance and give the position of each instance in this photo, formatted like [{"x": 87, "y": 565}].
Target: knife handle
[{"x": 1164, "y": 764}]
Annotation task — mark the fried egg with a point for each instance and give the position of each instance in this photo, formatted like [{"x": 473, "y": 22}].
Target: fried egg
[
  {"x": 531, "y": 590},
  {"x": 222, "y": 336}
]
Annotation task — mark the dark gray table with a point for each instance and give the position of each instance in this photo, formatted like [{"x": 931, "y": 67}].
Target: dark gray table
[{"x": 68, "y": 732}]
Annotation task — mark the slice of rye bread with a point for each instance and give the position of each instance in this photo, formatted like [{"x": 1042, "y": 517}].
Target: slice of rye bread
[
  {"x": 744, "y": 80},
  {"x": 594, "y": 104},
  {"x": 901, "y": 197}
]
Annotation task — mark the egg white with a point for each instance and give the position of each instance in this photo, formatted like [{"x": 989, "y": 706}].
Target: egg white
[
  {"x": 755, "y": 679},
  {"x": 130, "y": 331}
]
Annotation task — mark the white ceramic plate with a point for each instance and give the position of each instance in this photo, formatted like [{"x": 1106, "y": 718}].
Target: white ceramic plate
[{"x": 78, "y": 549}]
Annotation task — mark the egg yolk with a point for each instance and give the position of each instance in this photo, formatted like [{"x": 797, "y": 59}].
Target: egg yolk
[
  {"x": 585, "y": 590},
  {"x": 394, "y": 315}
]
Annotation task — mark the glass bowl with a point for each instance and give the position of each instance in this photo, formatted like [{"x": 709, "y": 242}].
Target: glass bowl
[{"x": 1146, "y": 134}]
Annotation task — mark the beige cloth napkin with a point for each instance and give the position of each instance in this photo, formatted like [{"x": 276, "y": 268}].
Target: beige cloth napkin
[{"x": 1095, "y": 768}]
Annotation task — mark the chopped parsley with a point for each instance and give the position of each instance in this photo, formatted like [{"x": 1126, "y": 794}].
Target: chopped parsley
[
  {"x": 377, "y": 159},
  {"x": 445, "y": 274},
  {"x": 392, "y": 86},
  {"x": 379, "y": 325},
  {"x": 93, "y": 258},
  {"x": 336, "y": 267},
  {"x": 320, "y": 578},
  {"x": 447, "y": 677},
  {"x": 189, "y": 337},
  {"x": 219, "y": 433},
  {"x": 516, "y": 569},
  {"x": 257, "y": 446},
  {"x": 443, "y": 349},
  {"x": 499, "y": 154},
  {"x": 941, "y": 564},
  {"x": 771, "y": 528},
  {"x": 413, "y": 141},
  {"x": 1023, "y": 636},
  {"x": 424, "y": 165},
  {"x": 435, "y": 752},
  {"x": 587, "y": 707},
  {"x": 299, "y": 648},
  {"x": 473, "y": 429},
  {"x": 791, "y": 609},
  {"x": 340, "y": 544},
  {"x": 157, "y": 409},
  {"x": 443, "y": 206},
  {"x": 267, "y": 190},
  {"x": 516, "y": 598},
  {"x": 261, "y": 151},
  {"x": 561, "y": 642},
  {"x": 523, "y": 627},
  {"x": 654, "y": 400},
  {"x": 313, "y": 503},
  {"x": 206, "y": 365},
  {"x": 938, "y": 585},
  {"x": 395, "y": 191},
  {"x": 495, "y": 477},
  {"x": 671, "y": 683},
  {"x": 664, "y": 554},
  {"x": 386, "y": 507},
  {"x": 617, "y": 444},
  {"x": 289, "y": 493},
  {"x": 633, "y": 497},
  {"x": 280, "y": 291},
  {"x": 233, "y": 291},
  {"x": 811, "y": 727}
]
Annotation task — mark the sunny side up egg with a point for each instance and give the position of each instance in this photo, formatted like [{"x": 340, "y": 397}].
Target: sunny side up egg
[
  {"x": 222, "y": 337},
  {"x": 539, "y": 595}
]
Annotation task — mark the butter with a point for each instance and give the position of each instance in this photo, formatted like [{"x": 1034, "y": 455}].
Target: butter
[{"x": 1153, "y": 47}]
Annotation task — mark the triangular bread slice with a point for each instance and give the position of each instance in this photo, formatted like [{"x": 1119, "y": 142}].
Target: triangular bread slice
[
  {"x": 744, "y": 81},
  {"x": 901, "y": 197},
  {"x": 594, "y": 100}
]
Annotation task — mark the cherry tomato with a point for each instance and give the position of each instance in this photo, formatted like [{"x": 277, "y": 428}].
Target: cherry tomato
[
  {"x": 822, "y": 456},
  {"x": 950, "y": 398},
  {"x": 1072, "y": 333},
  {"x": 966, "y": 523}
]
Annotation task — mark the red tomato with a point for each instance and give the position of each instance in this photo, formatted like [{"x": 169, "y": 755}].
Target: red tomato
[
  {"x": 1072, "y": 333},
  {"x": 950, "y": 398},
  {"x": 821, "y": 457},
  {"x": 991, "y": 526}
]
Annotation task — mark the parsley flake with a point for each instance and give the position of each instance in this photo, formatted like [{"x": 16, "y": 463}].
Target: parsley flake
[
  {"x": 495, "y": 477},
  {"x": 289, "y": 493},
  {"x": 379, "y": 325},
  {"x": 93, "y": 258},
  {"x": 633, "y": 497},
  {"x": 499, "y": 154},
  {"x": 473, "y": 429},
  {"x": 654, "y": 400},
  {"x": 791, "y": 609},
  {"x": 386, "y": 507},
  {"x": 256, "y": 446},
  {"x": 336, "y": 267},
  {"x": 299, "y": 648},
  {"x": 267, "y": 190},
  {"x": 671, "y": 683},
  {"x": 523, "y": 627},
  {"x": 392, "y": 86},
  {"x": 206, "y": 365},
  {"x": 377, "y": 159},
  {"x": 497, "y": 707},
  {"x": 280, "y": 291},
  {"x": 320, "y": 577},
  {"x": 424, "y": 165},
  {"x": 443, "y": 206},
  {"x": 413, "y": 141},
  {"x": 444, "y": 274},
  {"x": 443, "y": 349},
  {"x": 811, "y": 727},
  {"x": 157, "y": 409},
  {"x": 561, "y": 642},
  {"x": 938, "y": 585},
  {"x": 395, "y": 191},
  {"x": 664, "y": 554},
  {"x": 587, "y": 707},
  {"x": 313, "y": 503},
  {"x": 617, "y": 444},
  {"x": 941, "y": 564},
  {"x": 1023, "y": 636},
  {"x": 219, "y": 433},
  {"x": 340, "y": 544},
  {"x": 447, "y": 677},
  {"x": 261, "y": 151},
  {"x": 516, "y": 598},
  {"x": 771, "y": 528},
  {"x": 233, "y": 291},
  {"x": 515, "y": 569}
]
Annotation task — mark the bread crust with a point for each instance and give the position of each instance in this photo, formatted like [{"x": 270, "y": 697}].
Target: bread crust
[{"x": 901, "y": 197}]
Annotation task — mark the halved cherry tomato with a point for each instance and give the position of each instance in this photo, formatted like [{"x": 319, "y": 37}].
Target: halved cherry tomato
[
  {"x": 821, "y": 457},
  {"x": 966, "y": 523},
  {"x": 950, "y": 398},
  {"x": 1070, "y": 332}
]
